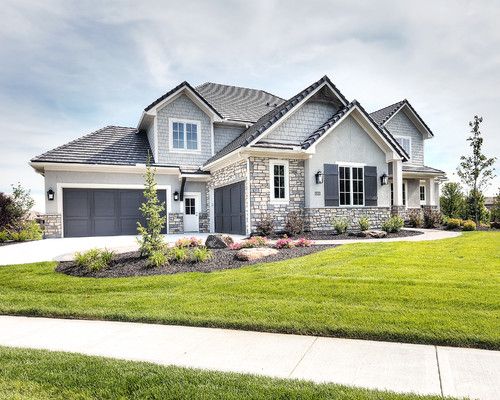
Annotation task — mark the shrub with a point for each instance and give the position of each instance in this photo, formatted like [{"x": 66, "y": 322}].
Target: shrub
[
  {"x": 255, "y": 241},
  {"x": 469, "y": 225},
  {"x": 4, "y": 236},
  {"x": 393, "y": 224},
  {"x": 452, "y": 200},
  {"x": 453, "y": 223},
  {"x": 415, "y": 218},
  {"x": 201, "y": 254},
  {"x": 157, "y": 259},
  {"x": 364, "y": 224},
  {"x": 294, "y": 224},
  {"x": 432, "y": 218},
  {"x": 94, "y": 259},
  {"x": 340, "y": 225},
  {"x": 303, "y": 242},
  {"x": 265, "y": 227},
  {"x": 284, "y": 243},
  {"x": 235, "y": 246},
  {"x": 179, "y": 254},
  {"x": 188, "y": 242},
  {"x": 6, "y": 214}
]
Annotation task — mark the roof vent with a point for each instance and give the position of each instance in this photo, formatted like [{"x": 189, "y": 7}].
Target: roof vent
[{"x": 267, "y": 104}]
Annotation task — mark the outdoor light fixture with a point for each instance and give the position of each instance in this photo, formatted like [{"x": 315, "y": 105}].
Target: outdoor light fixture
[
  {"x": 319, "y": 177},
  {"x": 50, "y": 194},
  {"x": 176, "y": 196},
  {"x": 384, "y": 179}
]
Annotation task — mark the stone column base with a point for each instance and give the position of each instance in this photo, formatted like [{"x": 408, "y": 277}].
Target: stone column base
[
  {"x": 204, "y": 223},
  {"x": 398, "y": 210},
  {"x": 52, "y": 225},
  {"x": 175, "y": 223}
]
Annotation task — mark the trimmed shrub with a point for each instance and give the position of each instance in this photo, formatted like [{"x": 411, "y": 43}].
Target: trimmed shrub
[
  {"x": 303, "y": 242},
  {"x": 157, "y": 259},
  {"x": 285, "y": 243},
  {"x": 94, "y": 259},
  {"x": 453, "y": 223},
  {"x": 340, "y": 225},
  {"x": 179, "y": 254},
  {"x": 201, "y": 254},
  {"x": 415, "y": 218},
  {"x": 294, "y": 224},
  {"x": 27, "y": 230},
  {"x": 393, "y": 224},
  {"x": 4, "y": 236},
  {"x": 432, "y": 218},
  {"x": 469, "y": 225},
  {"x": 265, "y": 227},
  {"x": 364, "y": 224}
]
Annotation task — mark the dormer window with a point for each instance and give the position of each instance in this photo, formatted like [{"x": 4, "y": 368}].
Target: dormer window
[
  {"x": 185, "y": 135},
  {"x": 405, "y": 143}
]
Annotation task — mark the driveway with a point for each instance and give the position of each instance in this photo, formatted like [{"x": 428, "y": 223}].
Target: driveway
[{"x": 63, "y": 249}]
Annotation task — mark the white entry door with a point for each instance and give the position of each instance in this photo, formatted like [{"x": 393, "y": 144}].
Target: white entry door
[{"x": 192, "y": 207}]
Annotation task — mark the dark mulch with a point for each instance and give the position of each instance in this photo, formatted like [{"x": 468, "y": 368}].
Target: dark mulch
[
  {"x": 331, "y": 235},
  {"x": 131, "y": 264}
]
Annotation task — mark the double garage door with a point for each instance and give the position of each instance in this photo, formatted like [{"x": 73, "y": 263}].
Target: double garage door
[
  {"x": 103, "y": 212},
  {"x": 230, "y": 209}
]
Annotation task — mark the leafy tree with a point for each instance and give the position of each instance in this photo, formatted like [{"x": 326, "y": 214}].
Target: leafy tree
[
  {"x": 15, "y": 208},
  {"x": 474, "y": 206},
  {"x": 495, "y": 210},
  {"x": 476, "y": 170},
  {"x": 5, "y": 211},
  {"x": 452, "y": 200},
  {"x": 151, "y": 239}
]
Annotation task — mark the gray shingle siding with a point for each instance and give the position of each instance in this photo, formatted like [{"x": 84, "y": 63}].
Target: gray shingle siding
[
  {"x": 151, "y": 140},
  {"x": 224, "y": 134},
  {"x": 306, "y": 120},
  {"x": 400, "y": 125},
  {"x": 183, "y": 108}
]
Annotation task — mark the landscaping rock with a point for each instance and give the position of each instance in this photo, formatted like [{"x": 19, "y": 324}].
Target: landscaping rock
[
  {"x": 218, "y": 241},
  {"x": 255, "y": 253},
  {"x": 375, "y": 234}
]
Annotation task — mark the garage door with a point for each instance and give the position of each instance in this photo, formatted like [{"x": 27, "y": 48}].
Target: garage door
[
  {"x": 230, "y": 208},
  {"x": 102, "y": 212}
]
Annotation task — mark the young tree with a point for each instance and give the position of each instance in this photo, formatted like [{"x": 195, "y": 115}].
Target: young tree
[
  {"x": 476, "y": 170},
  {"x": 452, "y": 200},
  {"x": 151, "y": 239}
]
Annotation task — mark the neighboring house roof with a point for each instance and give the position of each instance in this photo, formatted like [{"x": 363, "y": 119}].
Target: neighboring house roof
[
  {"x": 111, "y": 145},
  {"x": 421, "y": 168},
  {"x": 269, "y": 119},
  {"x": 384, "y": 114},
  {"x": 239, "y": 103}
]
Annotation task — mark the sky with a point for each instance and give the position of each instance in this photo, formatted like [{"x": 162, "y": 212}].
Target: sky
[{"x": 70, "y": 67}]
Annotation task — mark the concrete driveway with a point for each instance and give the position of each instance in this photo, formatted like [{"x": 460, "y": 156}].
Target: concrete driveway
[{"x": 64, "y": 249}]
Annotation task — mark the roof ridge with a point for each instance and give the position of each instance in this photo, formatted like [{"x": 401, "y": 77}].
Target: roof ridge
[{"x": 240, "y": 87}]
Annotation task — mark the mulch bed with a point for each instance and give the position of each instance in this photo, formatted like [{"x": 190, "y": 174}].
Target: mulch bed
[
  {"x": 130, "y": 264},
  {"x": 331, "y": 235}
]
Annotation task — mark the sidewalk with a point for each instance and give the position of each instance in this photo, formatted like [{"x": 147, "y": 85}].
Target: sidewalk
[{"x": 398, "y": 367}]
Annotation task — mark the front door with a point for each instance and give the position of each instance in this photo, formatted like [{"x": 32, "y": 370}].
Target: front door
[{"x": 192, "y": 208}]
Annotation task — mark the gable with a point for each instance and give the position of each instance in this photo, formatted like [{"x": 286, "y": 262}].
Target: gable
[{"x": 400, "y": 125}]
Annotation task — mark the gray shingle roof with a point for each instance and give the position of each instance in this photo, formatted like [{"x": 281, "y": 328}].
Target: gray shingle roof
[
  {"x": 269, "y": 119},
  {"x": 111, "y": 145},
  {"x": 421, "y": 168},
  {"x": 239, "y": 103}
]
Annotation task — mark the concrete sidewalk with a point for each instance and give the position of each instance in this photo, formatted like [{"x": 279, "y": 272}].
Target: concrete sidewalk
[{"x": 378, "y": 365}]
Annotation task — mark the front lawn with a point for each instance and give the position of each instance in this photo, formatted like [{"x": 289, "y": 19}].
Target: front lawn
[
  {"x": 440, "y": 292},
  {"x": 36, "y": 374}
]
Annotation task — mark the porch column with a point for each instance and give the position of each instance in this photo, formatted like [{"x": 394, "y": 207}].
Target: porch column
[
  {"x": 397, "y": 186},
  {"x": 430, "y": 199}
]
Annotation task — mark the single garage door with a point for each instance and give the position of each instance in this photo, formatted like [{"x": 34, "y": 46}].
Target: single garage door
[
  {"x": 230, "y": 209},
  {"x": 102, "y": 212}
]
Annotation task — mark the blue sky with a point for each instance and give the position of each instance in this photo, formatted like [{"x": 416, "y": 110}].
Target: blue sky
[{"x": 68, "y": 68}]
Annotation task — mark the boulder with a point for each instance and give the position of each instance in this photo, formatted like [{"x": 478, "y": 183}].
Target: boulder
[
  {"x": 218, "y": 241},
  {"x": 376, "y": 234},
  {"x": 255, "y": 253}
]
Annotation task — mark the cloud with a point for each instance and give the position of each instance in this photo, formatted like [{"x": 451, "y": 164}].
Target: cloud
[{"x": 71, "y": 67}]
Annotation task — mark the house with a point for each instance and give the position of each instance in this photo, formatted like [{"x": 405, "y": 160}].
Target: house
[{"x": 226, "y": 157}]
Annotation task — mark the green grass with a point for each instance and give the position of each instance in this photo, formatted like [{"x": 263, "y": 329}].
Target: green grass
[
  {"x": 36, "y": 374},
  {"x": 439, "y": 292}
]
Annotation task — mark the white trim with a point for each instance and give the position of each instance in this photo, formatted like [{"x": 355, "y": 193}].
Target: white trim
[
  {"x": 286, "y": 165},
  {"x": 248, "y": 215},
  {"x": 407, "y": 138},
  {"x": 211, "y": 209},
  {"x": 185, "y": 150},
  {"x": 422, "y": 185},
  {"x": 197, "y": 210},
  {"x": 63, "y": 185},
  {"x": 155, "y": 133},
  {"x": 212, "y": 136},
  {"x": 352, "y": 165},
  {"x": 138, "y": 168}
]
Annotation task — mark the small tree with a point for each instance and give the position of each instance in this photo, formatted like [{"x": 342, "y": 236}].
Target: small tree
[
  {"x": 474, "y": 206},
  {"x": 16, "y": 207},
  {"x": 5, "y": 211},
  {"x": 476, "y": 170},
  {"x": 151, "y": 239},
  {"x": 495, "y": 210},
  {"x": 452, "y": 200}
]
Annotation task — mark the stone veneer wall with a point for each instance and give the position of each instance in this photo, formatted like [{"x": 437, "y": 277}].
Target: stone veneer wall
[
  {"x": 52, "y": 225},
  {"x": 321, "y": 218},
  {"x": 260, "y": 199},
  {"x": 175, "y": 223},
  {"x": 204, "y": 222}
]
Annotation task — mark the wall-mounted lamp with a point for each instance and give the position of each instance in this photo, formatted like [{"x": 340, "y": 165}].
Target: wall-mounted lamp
[
  {"x": 176, "y": 196},
  {"x": 384, "y": 179},
  {"x": 319, "y": 177},
  {"x": 50, "y": 194}
]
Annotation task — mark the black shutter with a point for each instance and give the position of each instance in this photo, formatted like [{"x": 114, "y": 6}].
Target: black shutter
[
  {"x": 331, "y": 182},
  {"x": 370, "y": 186}
]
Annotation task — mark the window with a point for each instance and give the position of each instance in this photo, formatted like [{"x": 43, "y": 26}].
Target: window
[
  {"x": 185, "y": 135},
  {"x": 405, "y": 143},
  {"x": 404, "y": 194},
  {"x": 351, "y": 188},
  {"x": 422, "y": 193},
  {"x": 279, "y": 181},
  {"x": 190, "y": 206}
]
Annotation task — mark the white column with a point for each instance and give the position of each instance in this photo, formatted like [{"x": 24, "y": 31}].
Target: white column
[
  {"x": 430, "y": 199},
  {"x": 397, "y": 182}
]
